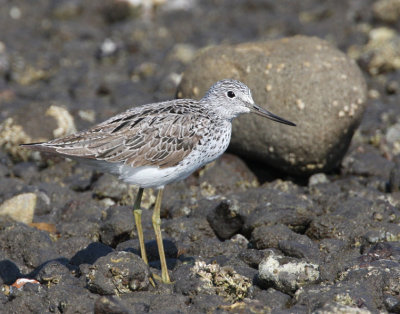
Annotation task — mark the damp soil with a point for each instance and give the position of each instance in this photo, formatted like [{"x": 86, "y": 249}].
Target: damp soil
[{"x": 334, "y": 239}]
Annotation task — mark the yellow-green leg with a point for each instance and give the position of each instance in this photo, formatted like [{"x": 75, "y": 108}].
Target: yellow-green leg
[
  {"x": 156, "y": 225},
  {"x": 137, "y": 213}
]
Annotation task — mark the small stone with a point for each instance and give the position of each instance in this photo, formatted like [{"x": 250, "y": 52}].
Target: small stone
[
  {"x": 118, "y": 225},
  {"x": 392, "y": 304},
  {"x": 53, "y": 273},
  {"x": 341, "y": 309},
  {"x": 394, "y": 179},
  {"x": 392, "y": 87},
  {"x": 318, "y": 178},
  {"x": 65, "y": 121},
  {"x": 108, "y": 48},
  {"x": 108, "y": 305},
  {"x": 223, "y": 280},
  {"x": 20, "y": 208},
  {"x": 274, "y": 299},
  {"x": 183, "y": 53},
  {"x": 117, "y": 11},
  {"x": 287, "y": 274},
  {"x": 65, "y": 10},
  {"x": 251, "y": 257},
  {"x": 393, "y": 133},
  {"x": 28, "y": 247},
  {"x": 225, "y": 219},
  {"x": 367, "y": 161},
  {"x": 117, "y": 273},
  {"x": 387, "y": 10},
  {"x": 11, "y": 135},
  {"x": 382, "y": 52},
  {"x": 265, "y": 237}
]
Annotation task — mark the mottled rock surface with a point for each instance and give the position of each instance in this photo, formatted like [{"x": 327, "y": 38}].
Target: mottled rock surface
[{"x": 282, "y": 75}]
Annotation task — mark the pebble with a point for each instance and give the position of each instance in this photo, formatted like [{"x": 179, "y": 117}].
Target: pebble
[
  {"x": 382, "y": 52},
  {"x": 20, "y": 207},
  {"x": 225, "y": 219},
  {"x": 118, "y": 273},
  {"x": 387, "y": 10},
  {"x": 318, "y": 178},
  {"x": 287, "y": 274}
]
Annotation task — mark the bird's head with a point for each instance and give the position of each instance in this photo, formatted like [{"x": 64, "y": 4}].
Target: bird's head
[{"x": 230, "y": 98}]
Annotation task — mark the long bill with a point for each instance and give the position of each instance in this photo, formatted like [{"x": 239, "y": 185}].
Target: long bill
[{"x": 265, "y": 113}]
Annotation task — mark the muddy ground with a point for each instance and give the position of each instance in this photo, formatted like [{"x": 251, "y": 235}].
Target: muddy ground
[{"x": 239, "y": 235}]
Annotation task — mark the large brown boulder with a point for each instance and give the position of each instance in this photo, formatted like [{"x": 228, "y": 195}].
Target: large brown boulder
[{"x": 303, "y": 79}]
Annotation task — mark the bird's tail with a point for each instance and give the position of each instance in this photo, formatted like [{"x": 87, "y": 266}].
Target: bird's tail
[{"x": 41, "y": 147}]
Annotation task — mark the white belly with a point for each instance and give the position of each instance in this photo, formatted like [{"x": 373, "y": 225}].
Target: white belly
[{"x": 155, "y": 177}]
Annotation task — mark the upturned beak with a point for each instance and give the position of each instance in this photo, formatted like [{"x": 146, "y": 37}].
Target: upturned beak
[{"x": 265, "y": 113}]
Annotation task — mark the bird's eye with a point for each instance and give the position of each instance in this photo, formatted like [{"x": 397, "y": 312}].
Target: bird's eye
[{"x": 230, "y": 94}]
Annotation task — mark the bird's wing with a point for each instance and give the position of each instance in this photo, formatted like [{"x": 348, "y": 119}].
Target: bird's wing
[{"x": 136, "y": 138}]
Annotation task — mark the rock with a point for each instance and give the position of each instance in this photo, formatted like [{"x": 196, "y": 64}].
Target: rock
[
  {"x": 367, "y": 161},
  {"x": 278, "y": 73},
  {"x": 118, "y": 225},
  {"x": 54, "y": 273},
  {"x": 27, "y": 247},
  {"x": 69, "y": 246},
  {"x": 251, "y": 257},
  {"x": 265, "y": 237},
  {"x": 287, "y": 274},
  {"x": 357, "y": 286},
  {"x": 11, "y": 135},
  {"x": 65, "y": 10},
  {"x": 25, "y": 170},
  {"x": 65, "y": 121},
  {"x": 4, "y": 62},
  {"x": 225, "y": 219},
  {"x": 117, "y": 273},
  {"x": 107, "y": 49},
  {"x": 85, "y": 229},
  {"x": 204, "y": 303},
  {"x": 228, "y": 174},
  {"x": 117, "y": 11},
  {"x": 392, "y": 137},
  {"x": 274, "y": 299},
  {"x": 25, "y": 72},
  {"x": 317, "y": 178},
  {"x": 340, "y": 309},
  {"x": 45, "y": 122},
  {"x": 20, "y": 208},
  {"x": 282, "y": 238},
  {"x": 212, "y": 279},
  {"x": 382, "y": 52},
  {"x": 289, "y": 208},
  {"x": 394, "y": 179},
  {"x": 108, "y": 305},
  {"x": 387, "y": 10},
  {"x": 392, "y": 304},
  {"x": 182, "y": 52}
]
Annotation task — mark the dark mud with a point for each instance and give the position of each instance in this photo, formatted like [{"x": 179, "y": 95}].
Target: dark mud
[{"x": 332, "y": 241}]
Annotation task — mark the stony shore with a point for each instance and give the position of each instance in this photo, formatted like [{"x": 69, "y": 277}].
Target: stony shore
[{"x": 241, "y": 235}]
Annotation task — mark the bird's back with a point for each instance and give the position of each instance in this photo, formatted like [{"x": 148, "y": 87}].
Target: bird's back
[{"x": 160, "y": 134}]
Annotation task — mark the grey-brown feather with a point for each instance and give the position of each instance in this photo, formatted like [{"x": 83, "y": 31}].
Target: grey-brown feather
[{"x": 160, "y": 134}]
